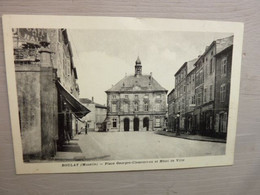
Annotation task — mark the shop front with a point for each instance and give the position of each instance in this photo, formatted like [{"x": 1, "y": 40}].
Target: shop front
[{"x": 70, "y": 111}]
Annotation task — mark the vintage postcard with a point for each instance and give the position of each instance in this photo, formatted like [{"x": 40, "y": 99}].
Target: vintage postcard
[{"x": 97, "y": 94}]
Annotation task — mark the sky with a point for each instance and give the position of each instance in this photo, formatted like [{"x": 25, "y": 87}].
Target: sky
[{"x": 104, "y": 57}]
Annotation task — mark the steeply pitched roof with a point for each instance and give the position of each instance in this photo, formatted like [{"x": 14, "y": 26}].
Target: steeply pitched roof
[
  {"x": 88, "y": 101},
  {"x": 224, "y": 50},
  {"x": 100, "y": 106},
  {"x": 138, "y": 61},
  {"x": 172, "y": 91},
  {"x": 190, "y": 65},
  {"x": 137, "y": 83},
  {"x": 224, "y": 43},
  {"x": 220, "y": 44},
  {"x": 185, "y": 64}
]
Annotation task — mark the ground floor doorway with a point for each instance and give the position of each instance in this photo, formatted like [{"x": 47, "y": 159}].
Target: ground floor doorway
[
  {"x": 146, "y": 123},
  {"x": 136, "y": 124},
  {"x": 126, "y": 124}
]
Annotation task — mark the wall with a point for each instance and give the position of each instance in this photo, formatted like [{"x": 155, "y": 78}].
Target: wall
[
  {"x": 49, "y": 112},
  {"x": 152, "y": 113},
  {"x": 240, "y": 179},
  {"x": 171, "y": 110},
  {"x": 29, "y": 79},
  {"x": 222, "y": 107},
  {"x": 101, "y": 114},
  {"x": 91, "y": 117}
]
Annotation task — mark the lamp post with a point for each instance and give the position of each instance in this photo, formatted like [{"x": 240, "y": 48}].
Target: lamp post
[{"x": 178, "y": 124}]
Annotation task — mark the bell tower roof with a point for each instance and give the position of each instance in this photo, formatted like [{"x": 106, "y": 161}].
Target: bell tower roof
[
  {"x": 138, "y": 61},
  {"x": 138, "y": 67}
]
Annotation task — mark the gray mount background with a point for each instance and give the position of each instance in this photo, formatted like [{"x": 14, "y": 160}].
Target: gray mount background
[{"x": 241, "y": 178}]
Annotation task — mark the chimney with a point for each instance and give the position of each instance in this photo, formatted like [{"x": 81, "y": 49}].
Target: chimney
[
  {"x": 92, "y": 99},
  {"x": 151, "y": 74}
]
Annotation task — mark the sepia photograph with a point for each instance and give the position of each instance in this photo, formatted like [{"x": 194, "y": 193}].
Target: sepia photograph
[{"x": 132, "y": 95}]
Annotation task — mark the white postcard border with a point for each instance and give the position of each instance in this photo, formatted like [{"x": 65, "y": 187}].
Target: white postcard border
[{"x": 121, "y": 23}]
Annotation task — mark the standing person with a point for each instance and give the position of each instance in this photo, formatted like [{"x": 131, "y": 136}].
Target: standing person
[
  {"x": 86, "y": 128},
  {"x": 81, "y": 130}
]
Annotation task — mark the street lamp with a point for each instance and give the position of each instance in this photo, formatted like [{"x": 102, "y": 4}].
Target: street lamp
[{"x": 178, "y": 124}]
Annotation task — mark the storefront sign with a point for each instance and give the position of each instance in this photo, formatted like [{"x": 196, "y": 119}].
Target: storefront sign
[{"x": 32, "y": 35}]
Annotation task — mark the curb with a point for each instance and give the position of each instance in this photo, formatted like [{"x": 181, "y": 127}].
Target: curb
[{"x": 188, "y": 138}]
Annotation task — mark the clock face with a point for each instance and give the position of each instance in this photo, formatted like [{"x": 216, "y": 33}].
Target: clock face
[
  {"x": 138, "y": 70},
  {"x": 136, "y": 88}
]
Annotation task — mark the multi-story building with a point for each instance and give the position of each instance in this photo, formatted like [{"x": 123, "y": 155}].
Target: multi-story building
[
  {"x": 222, "y": 90},
  {"x": 205, "y": 86},
  {"x": 171, "y": 110},
  {"x": 101, "y": 113},
  {"x": 96, "y": 117},
  {"x": 47, "y": 90},
  {"x": 199, "y": 86},
  {"x": 180, "y": 91},
  {"x": 202, "y": 90},
  {"x": 136, "y": 103},
  {"x": 185, "y": 95},
  {"x": 190, "y": 96}
]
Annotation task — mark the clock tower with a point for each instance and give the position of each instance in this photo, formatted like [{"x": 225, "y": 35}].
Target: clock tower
[{"x": 138, "y": 67}]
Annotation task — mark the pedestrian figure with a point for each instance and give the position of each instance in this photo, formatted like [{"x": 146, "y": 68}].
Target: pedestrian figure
[
  {"x": 86, "y": 128},
  {"x": 81, "y": 130},
  {"x": 67, "y": 136}
]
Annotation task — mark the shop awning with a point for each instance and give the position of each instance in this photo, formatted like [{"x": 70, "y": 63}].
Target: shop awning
[{"x": 78, "y": 109}]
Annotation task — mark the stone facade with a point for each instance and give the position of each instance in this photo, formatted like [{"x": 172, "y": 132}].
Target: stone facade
[
  {"x": 180, "y": 90},
  {"x": 136, "y": 103},
  {"x": 190, "y": 96},
  {"x": 208, "y": 65},
  {"x": 223, "y": 77},
  {"x": 101, "y": 113},
  {"x": 94, "y": 120},
  {"x": 205, "y": 87},
  {"x": 171, "y": 110},
  {"x": 45, "y": 115}
]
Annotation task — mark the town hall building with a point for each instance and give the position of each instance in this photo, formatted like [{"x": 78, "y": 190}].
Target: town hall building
[{"x": 136, "y": 103}]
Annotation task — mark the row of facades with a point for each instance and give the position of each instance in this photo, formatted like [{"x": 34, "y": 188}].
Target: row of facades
[{"x": 199, "y": 103}]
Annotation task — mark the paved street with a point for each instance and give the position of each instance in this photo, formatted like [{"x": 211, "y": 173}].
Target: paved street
[{"x": 141, "y": 145}]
